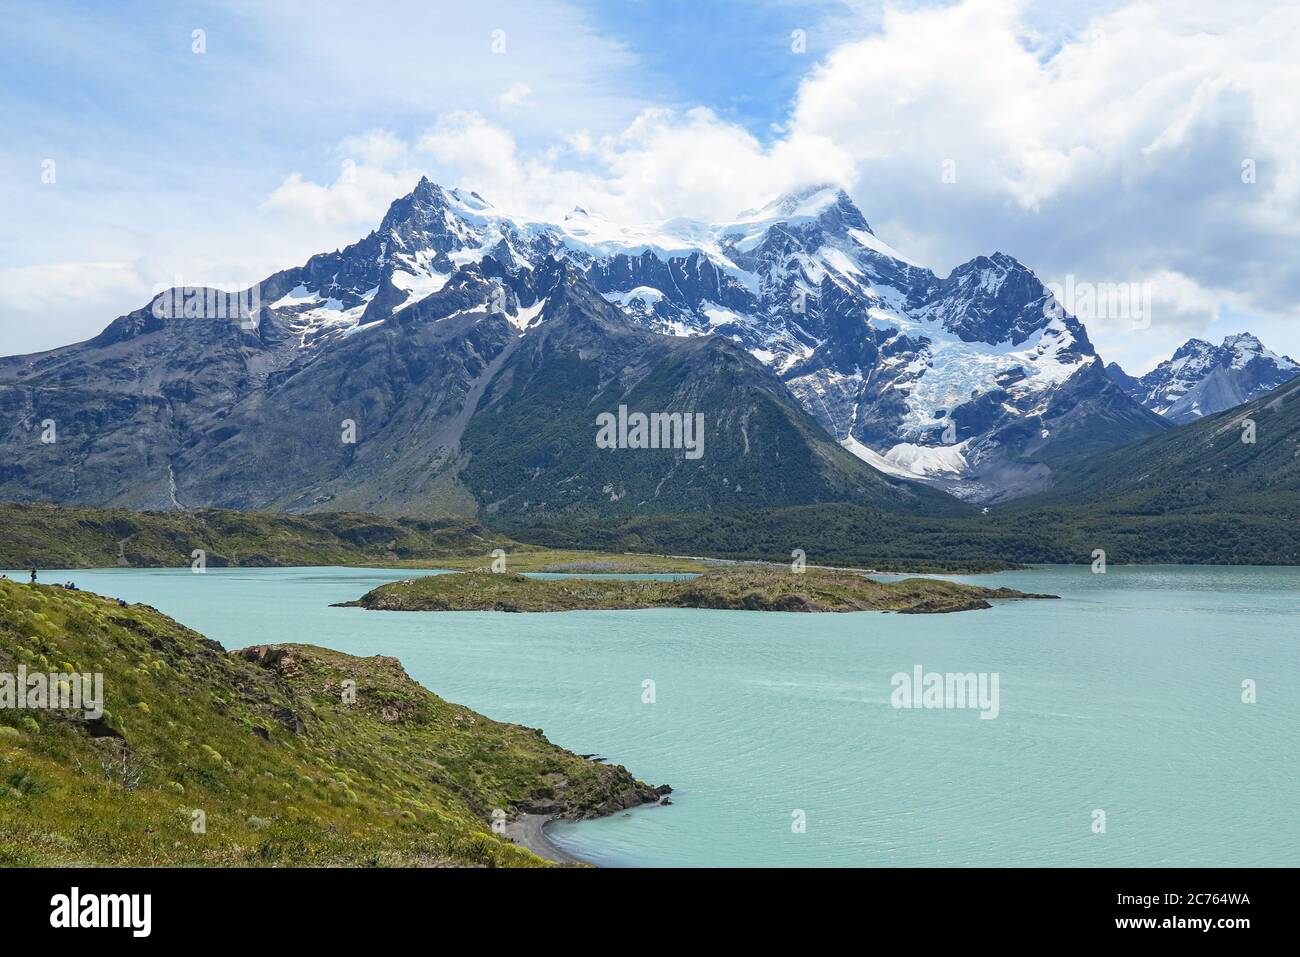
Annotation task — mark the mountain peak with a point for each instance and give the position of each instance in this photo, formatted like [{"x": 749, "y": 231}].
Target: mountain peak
[
  {"x": 1201, "y": 378},
  {"x": 1245, "y": 347},
  {"x": 994, "y": 299},
  {"x": 1242, "y": 348},
  {"x": 1007, "y": 261},
  {"x": 426, "y": 196},
  {"x": 822, "y": 202},
  {"x": 990, "y": 273},
  {"x": 793, "y": 198},
  {"x": 1243, "y": 342},
  {"x": 1193, "y": 347}
]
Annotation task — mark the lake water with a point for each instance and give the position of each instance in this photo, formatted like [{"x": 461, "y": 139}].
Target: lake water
[{"x": 1125, "y": 698}]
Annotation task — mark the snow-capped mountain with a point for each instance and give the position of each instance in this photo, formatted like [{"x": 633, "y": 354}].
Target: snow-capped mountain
[
  {"x": 977, "y": 382},
  {"x": 958, "y": 380},
  {"x": 1202, "y": 378}
]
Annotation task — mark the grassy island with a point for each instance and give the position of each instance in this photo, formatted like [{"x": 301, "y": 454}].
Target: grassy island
[{"x": 749, "y": 589}]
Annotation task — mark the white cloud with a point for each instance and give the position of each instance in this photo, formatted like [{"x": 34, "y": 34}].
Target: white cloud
[
  {"x": 516, "y": 95},
  {"x": 29, "y": 295},
  {"x": 665, "y": 163},
  {"x": 1113, "y": 153},
  {"x": 1183, "y": 306},
  {"x": 41, "y": 287},
  {"x": 407, "y": 58},
  {"x": 360, "y": 192},
  {"x": 1116, "y": 156}
]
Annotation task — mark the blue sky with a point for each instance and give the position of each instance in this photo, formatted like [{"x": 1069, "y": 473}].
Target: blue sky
[
  {"x": 732, "y": 56},
  {"x": 1103, "y": 141},
  {"x": 118, "y": 93}
]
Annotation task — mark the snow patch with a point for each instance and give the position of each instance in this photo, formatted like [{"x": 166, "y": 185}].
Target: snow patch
[
  {"x": 928, "y": 460},
  {"x": 869, "y": 241},
  {"x": 299, "y": 295},
  {"x": 910, "y": 461},
  {"x": 647, "y": 294},
  {"x": 522, "y": 319},
  {"x": 719, "y": 316}
]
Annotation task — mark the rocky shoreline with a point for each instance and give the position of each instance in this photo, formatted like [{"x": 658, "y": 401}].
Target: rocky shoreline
[{"x": 528, "y": 827}]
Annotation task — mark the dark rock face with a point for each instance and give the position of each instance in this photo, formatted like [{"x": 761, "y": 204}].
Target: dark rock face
[
  {"x": 101, "y": 729},
  {"x": 992, "y": 299},
  {"x": 687, "y": 283},
  {"x": 277, "y": 658},
  {"x": 1201, "y": 379}
]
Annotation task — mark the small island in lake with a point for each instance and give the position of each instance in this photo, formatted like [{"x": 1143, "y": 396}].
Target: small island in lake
[{"x": 748, "y": 589}]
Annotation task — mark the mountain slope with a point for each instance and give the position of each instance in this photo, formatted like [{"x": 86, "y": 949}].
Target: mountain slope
[
  {"x": 1192, "y": 494},
  {"x": 1204, "y": 466},
  {"x": 1195, "y": 494},
  {"x": 532, "y": 447}
]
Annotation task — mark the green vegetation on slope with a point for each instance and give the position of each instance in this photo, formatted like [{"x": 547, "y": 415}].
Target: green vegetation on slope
[
  {"x": 537, "y": 558},
  {"x": 1196, "y": 494},
  {"x": 1262, "y": 532},
  {"x": 284, "y": 771},
  {"x": 50, "y": 536},
  {"x": 532, "y": 447},
  {"x": 853, "y": 536},
  {"x": 1202, "y": 468},
  {"x": 748, "y": 590},
  {"x": 844, "y": 535},
  {"x": 53, "y": 536}
]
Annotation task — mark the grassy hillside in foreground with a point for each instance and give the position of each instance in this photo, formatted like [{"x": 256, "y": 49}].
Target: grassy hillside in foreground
[
  {"x": 262, "y": 743},
  {"x": 747, "y": 590}
]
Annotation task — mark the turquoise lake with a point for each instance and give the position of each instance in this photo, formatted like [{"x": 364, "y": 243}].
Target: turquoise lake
[{"x": 1124, "y": 697}]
